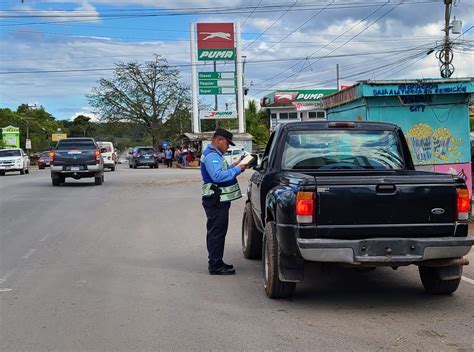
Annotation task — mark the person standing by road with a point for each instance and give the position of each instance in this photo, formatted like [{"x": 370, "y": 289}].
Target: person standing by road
[
  {"x": 168, "y": 157},
  {"x": 219, "y": 189}
]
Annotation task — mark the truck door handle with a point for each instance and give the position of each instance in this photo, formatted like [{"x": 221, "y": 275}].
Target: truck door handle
[{"x": 385, "y": 189}]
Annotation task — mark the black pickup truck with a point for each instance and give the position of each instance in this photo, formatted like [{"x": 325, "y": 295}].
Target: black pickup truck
[
  {"x": 348, "y": 192},
  {"x": 77, "y": 158}
]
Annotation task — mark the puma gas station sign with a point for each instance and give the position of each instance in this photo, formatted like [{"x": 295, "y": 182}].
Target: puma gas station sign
[{"x": 215, "y": 41}]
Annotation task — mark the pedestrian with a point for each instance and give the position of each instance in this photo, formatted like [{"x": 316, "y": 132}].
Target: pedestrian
[
  {"x": 219, "y": 189},
  {"x": 168, "y": 157}
]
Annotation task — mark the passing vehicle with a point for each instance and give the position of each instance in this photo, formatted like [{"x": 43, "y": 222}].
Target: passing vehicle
[
  {"x": 77, "y": 158},
  {"x": 348, "y": 193},
  {"x": 14, "y": 159},
  {"x": 110, "y": 156},
  {"x": 44, "y": 160},
  {"x": 144, "y": 156}
]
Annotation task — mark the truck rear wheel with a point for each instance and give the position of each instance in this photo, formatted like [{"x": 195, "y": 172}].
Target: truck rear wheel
[
  {"x": 251, "y": 237},
  {"x": 55, "y": 181},
  {"x": 274, "y": 287},
  {"x": 432, "y": 282}
]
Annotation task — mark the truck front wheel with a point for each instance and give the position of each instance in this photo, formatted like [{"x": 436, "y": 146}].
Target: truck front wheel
[
  {"x": 251, "y": 237},
  {"x": 274, "y": 287},
  {"x": 433, "y": 282}
]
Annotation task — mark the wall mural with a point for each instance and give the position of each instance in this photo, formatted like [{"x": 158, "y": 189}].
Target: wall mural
[{"x": 440, "y": 145}]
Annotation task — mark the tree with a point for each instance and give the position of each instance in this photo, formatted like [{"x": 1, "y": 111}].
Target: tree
[
  {"x": 146, "y": 93},
  {"x": 255, "y": 122}
]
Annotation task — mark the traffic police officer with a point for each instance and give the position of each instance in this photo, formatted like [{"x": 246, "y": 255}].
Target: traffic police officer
[{"x": 219, "y": 189}]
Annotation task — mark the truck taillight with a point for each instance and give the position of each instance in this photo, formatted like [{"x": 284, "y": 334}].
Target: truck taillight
[
  {"x": 97, "y": 156},
  {"x": 463, "y": 204},
  {"x": 305, "y": 207},
  {"x": 51, "y": 155}
]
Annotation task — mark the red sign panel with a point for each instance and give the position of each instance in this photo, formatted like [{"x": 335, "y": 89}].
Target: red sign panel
[
  {"x": 285, "y": 97},
  {"x": 215, "y": 35}
]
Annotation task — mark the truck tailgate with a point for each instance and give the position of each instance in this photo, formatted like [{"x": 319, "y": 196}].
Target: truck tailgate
[
  {"x": 74, "y": 157},
  {"x": 403, "y": 203}
]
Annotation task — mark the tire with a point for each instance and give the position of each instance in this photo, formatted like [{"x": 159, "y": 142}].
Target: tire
[
  {"x": 2, "y": 173},
  {"x": 22, "y": 172},
  {"x": 55, "y": 181},
  {"x": 27, "y": 171},
  {"x": 251, "y": 237},
  {"x": 98, "y": 180},
  {"x": 41, "y": 167},
  {"x": 430, "y": 278},
  {"x": 129, "y": 165},
  {"x": 135, "y": 166},
  {"x": 274, "y": 287},
  {"x": 112, "y": 168}
]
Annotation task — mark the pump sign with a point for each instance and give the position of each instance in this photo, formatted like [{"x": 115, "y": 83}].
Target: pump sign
[{"x": 215, "y": 41}]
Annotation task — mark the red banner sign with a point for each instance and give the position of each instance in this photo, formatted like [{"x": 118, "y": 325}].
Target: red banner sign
[{"x": 215, "y": 35}]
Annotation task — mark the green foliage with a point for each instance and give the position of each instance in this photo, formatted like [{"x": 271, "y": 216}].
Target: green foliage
[
  {"x": 256, "y": 123},
  {"x": 39, "y": 123},
  {"x": 146, "y": 94}
]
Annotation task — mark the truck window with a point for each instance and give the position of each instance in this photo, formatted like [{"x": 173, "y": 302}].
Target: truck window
[
  {"x": 342, "y": 149},
  {"x": 80, "y": 144}
]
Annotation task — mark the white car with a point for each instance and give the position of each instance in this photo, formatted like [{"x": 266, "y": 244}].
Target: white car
[
  {"x": 110, "y": 157},
  {"x": 14, "y": 159}
]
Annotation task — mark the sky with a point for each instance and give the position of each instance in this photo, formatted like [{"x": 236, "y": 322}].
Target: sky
[{"x": 288, "y": 44}]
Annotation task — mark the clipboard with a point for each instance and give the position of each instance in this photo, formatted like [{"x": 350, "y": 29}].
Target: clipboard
[{"x": 247, "y": 160}]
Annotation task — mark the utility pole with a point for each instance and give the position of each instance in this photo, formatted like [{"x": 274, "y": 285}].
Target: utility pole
[{"x": 445, "y": 55}]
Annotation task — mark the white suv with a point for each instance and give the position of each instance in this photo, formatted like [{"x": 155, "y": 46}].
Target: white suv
[
  {"x": 110, "y": 157},
  {"x": 14, "y": 159}
]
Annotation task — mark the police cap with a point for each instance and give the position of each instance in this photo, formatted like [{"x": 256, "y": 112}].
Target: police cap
[{"x": 220, "y": 132}]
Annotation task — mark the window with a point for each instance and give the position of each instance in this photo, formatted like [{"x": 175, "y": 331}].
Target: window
[
  {"x": 316, "y": 115},
  {"x": 4, "y": 153},
  {"x": 293, "y": 115},
  {"x": 342, "y": 150},
  {"x": 273, "y": 116},
  {"x": 81, "y": 144},
  {"x": 283, "y": 116}
]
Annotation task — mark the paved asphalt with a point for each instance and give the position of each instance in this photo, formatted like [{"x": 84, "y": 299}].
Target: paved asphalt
[{"x": 122, "y": 267}]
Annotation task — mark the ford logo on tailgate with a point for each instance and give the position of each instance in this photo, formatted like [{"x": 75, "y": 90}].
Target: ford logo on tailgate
[{"x": 437, "y": 211}]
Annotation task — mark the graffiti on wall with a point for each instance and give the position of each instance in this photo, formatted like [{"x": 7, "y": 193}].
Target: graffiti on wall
[
  {"x": 434, "y": 146},
  {"x": 460, "y": 170}
]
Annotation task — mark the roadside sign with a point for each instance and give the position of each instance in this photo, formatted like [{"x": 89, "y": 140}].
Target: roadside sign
[
  {"x": 216, "y": 75},
  {"x": 58, "y": 136},
  {"x": 217, "y": 115},
  {"x": 28, "y": 144},
  {"x": 165, "y": 144},
  {"x": 216, "y": 54},
  {"x": 215, "y": 41},
  {"x": 11, "y": 136},
  {"x": 217, "y": 90},
  {"x": 217, "y": 83}
]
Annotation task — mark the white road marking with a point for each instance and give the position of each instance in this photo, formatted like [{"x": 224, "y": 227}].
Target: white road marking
[
  {"x": 5, "y": 290},
  {"x": 30, "y": 252},
  {"x": 471, "y": 281}
]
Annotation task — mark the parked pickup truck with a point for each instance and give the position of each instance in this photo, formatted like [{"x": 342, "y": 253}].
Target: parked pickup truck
[
  {"x": 77, "y": 158},
  {"x": 347, "y": 192}
]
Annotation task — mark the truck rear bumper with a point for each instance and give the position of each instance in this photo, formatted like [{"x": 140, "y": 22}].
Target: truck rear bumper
[{"x": 380, "y": 251}]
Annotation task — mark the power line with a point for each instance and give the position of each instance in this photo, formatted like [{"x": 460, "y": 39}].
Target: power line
[
  {"x": 190, "y": 65},
  {"x": 316, "y": 51},
  {"x": 271, "y": 25}
]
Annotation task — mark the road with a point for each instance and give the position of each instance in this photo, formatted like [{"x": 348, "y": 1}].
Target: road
[{"x": 122, "y": 267}]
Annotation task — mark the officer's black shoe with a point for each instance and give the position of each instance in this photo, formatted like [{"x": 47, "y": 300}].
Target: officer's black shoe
[
  {"x": 222, "y": 271},
  {"x": 228, "y": 266}
]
